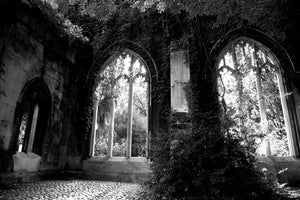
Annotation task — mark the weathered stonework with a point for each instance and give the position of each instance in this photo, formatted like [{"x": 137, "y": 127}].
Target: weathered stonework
[{"x": 31, "y": 48}]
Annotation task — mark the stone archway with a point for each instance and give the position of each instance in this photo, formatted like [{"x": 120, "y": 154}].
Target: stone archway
[
  {"x": 129, "y": 168},
  {"x": 108, "y": 54}
]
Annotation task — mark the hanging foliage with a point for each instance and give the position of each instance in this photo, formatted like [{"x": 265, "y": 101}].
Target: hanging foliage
[{"x": 203, "y": 162}]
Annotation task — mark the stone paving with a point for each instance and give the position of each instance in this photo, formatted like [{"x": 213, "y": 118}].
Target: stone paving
[
  {"x": 88, "y": 190},
  {"x": 76, "y": 189}
]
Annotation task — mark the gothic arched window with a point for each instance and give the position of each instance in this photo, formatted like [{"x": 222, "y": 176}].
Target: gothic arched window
[
  {"x": 121, "y": 108},
  {"x": 33, "y": 111},
  {"x": 252, "y": 86}
]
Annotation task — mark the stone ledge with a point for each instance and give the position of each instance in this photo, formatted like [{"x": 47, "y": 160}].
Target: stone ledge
[
  {"x": 117, "y": 160},
  {"x": 118, "y": 169},
  {"x": 22, "y": 177},
  {"x": 120, "y": 177}
]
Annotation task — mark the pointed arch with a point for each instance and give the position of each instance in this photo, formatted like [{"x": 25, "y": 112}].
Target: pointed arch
[
  {"x": 285, "y": 64},
  {"x": 104, "y": 57},
  {"x": 32, "y": 117},
  {"x": 260, "y": 37}
]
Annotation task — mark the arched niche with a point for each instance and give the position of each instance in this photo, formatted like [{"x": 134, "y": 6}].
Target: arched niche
[{"x": 32, "y": 117}]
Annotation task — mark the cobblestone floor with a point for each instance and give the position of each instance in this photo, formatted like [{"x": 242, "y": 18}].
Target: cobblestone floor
[
  {"x": 76, "y": 189},
  {"x": 88, "y": 190}
]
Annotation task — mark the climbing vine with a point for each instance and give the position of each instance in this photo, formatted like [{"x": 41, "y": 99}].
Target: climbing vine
[
  {"x": 64, "y": 25},
  {"x": 204, "y": 161}
]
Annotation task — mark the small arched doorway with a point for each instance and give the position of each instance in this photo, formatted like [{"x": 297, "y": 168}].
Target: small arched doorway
[{"x": 32, "y": 116}]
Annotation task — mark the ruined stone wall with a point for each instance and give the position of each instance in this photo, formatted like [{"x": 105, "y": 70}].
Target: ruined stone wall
[{"x": 31, "y": 48}]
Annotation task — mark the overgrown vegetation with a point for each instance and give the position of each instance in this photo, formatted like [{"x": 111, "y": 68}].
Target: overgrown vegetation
[
  {"x": 64, "y": 25},
  {"x": 250, "y": 82},
  {"x": 206, "y": 165},
  {"x": 203, "y": 162}
]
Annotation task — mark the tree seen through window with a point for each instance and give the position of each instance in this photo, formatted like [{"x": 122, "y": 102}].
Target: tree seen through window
[
  {"x": 122, "y": 121},
  {"x": 252, "y": 87}
]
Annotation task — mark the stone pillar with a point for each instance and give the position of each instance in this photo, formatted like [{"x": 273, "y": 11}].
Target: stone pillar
[
  {"x": 130, "y": 115},
  {"x": 261, "y": 101},
  {"x": 94, "y": 128},
  {"x": 111, "y": 130},
  {"x": 287, "y": 120},
  {"x": 147, "y": 127},
  {"x": 33, "y": 128},
  {"x": 262, "y": 110}
]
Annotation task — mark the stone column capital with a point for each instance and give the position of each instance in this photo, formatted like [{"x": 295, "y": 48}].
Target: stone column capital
[{"x": 95, "y": 97}]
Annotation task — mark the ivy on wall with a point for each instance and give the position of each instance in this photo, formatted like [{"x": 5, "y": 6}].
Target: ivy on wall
[
  {"x": 201, "y": 162},
  {"x": 109, "y": 38},
  {"x": 2, "y": 51}
]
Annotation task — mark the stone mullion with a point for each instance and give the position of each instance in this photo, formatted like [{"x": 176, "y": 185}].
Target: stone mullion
[
  {"x": 93, "y": 133},
  {"x": 261, "y": 101},
  {"x": 287, "y": 120},
  {"x": 130, "y": 109},
  {"x": 111, "y": 129},
  {"x": 33, "y": 128},
  {"x": 239, "y": 87}
]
